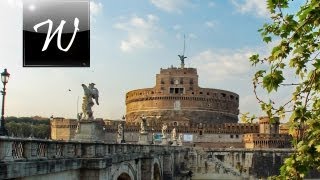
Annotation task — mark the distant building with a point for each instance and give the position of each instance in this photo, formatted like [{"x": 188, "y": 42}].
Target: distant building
[
  {"x": 63, "y": 129},
  {"x": 269, "y": 136}
]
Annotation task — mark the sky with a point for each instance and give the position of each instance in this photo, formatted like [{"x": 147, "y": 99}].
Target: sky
[{"x": 130, "y": 41}]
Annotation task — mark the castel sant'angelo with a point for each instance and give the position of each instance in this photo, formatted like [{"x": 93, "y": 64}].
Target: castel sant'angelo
[
  {"x": 201, "y": 116},
  {"x": 178, "y": 97}
]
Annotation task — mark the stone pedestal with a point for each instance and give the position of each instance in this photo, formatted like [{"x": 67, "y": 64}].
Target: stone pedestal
[
  {"x": 119, "y": 139},
  {"x": 89, "y": 130},
  {"x": 143, "y": 138},
  {"x": 179, "y": 142},
  {"x": 164, "y": 141},
  {"x": 174, "y": 142}
]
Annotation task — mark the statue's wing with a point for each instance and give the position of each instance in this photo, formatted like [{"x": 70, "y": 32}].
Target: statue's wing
[
  {"x": 85, "y": 88},
  {"x": 95, "y": 94}
]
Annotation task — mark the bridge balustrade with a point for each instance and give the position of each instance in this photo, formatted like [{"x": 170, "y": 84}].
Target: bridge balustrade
[{"x": 20, "y": 149}]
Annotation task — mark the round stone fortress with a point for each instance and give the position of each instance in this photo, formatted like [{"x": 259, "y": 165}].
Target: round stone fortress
[{"x": 177, "y": 97}]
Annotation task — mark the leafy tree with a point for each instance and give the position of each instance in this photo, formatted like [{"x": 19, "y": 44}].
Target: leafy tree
[
  {"x": 297, "y": 51},
  {"x": 246, "y": 119},
  {"x": 27, "y": 126}
]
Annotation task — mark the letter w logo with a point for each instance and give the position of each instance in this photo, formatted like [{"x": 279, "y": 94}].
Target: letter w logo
[{"x": 60, "y": 28}]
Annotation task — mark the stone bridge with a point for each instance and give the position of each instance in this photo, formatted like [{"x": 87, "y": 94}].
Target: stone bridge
[
  {"x": 27, "y": 158},
  {"x": 237, "y": 163},
  {"x": 47, "y": 159}
]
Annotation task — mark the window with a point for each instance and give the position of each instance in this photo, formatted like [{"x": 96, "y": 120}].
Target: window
[
  {"x": 200, "y": 92},
  {"x": 231, "y": 136},
  {"x": 237, "y": 136},
  {"x": 200, "y": 133},
  {"x": 223, "y": 94},
  {"x": 175, "y": 123},
  {"x": 176, "y": 90},
  {"x": 191, "y": 81}
]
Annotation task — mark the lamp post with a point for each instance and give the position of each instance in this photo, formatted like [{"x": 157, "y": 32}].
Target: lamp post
[
  {"x": 122, "y": 124},
  {"x": 4, "y": 78},
  {"x": 152, "y": 140}
]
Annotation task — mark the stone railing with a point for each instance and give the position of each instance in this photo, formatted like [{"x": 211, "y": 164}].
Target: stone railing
[
  {"x": 24, "y": 149},
  {"x": 224, "y": 167}
]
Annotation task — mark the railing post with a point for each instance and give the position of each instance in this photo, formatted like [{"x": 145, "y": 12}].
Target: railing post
[
  {"x": 6, "y": 150},
  {"x": 30, "y": 150},
  {"x": 107, "y": 150},
  {"x": 69, "y": 150},
  {"x": 51, "y": 150},
  {"x": 88, "y": 150},
  {"x": 125, "y": 148},
  {"x": 99, "y": 150},
  {"x": 78, "y": 152}
]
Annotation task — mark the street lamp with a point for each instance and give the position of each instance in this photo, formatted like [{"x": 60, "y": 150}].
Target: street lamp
[
  {"x": 122, "y": 124},
  {"x": 152, "y": 141},
  {"x": 4, "y": 78}
]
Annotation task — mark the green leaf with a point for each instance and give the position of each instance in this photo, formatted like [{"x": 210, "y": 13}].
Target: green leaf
[
  {"x": 254, "y": 59},
  {"x": 267, "y": 39},
  {"x": 317, "y": 64},
  {"x": 318, "y": 148},
  {"x": 273, "y": 80}
]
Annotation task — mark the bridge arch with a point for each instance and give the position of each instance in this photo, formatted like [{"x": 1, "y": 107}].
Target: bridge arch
[
  {"x": 157, "y": 171},
  {"x": 125, "y": 171},
  {"x": 124, "y": 176}
]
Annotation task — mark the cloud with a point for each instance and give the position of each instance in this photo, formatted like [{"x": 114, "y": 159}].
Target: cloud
[
  {"x": 95, "y": 8},
  {"x": 249, "y": 103},
  {"x": 176, "y": 27},
  {"x": 256, "y": 7},
  {"x": 223, "y": 64},
  {"x": 210, "y": 24},
  {"x": 171, "y": 5},
  {"x": 211, "y": 4},
  {"x": 141, "y": 32}
]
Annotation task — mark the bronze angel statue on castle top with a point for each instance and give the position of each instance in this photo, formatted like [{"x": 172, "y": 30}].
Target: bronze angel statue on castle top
[{"x": 90, "y": 93}]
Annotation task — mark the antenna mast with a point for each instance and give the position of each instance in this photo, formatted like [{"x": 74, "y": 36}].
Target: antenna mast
[
  {"x": 182, "y": 57},
  {"x": 184, "y": 44}
]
